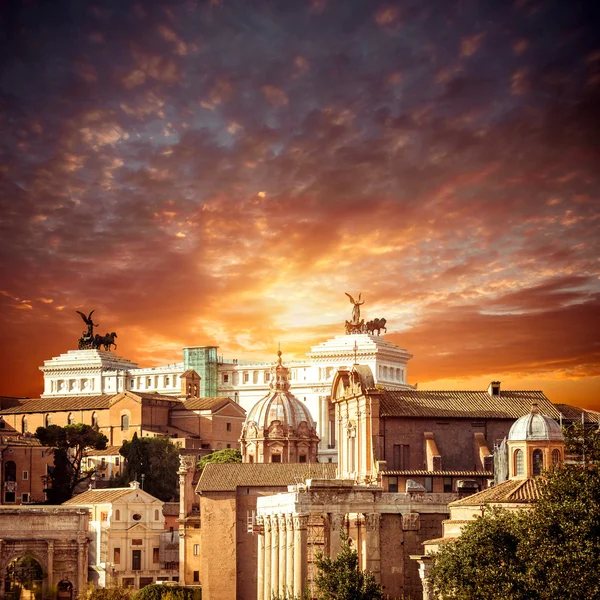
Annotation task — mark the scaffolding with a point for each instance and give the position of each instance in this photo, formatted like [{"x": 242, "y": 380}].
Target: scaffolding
[{"x": 204, "y": 360}]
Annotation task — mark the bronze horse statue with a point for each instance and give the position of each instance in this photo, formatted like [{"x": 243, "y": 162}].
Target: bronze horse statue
[
  {"x": 376, "y": 325},
  {"x": 107, "y": 341}
]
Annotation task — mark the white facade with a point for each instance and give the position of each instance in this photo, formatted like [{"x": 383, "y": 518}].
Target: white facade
[{"x": 97, "y": 372}]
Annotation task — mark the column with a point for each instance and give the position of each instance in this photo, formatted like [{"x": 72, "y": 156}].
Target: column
[
  {"x": 300, "y": 526},
  {"x": 289, "y": 561},
  {"x": 82, "y": 574},
  {"x": 267, "y": 573},
  {"x": 50, "y": 576},
  {"x": 260, "y": 579},
  {"x": 274, "y": 555},
  {"x": 372, "y": 560},
  {"x": 336, "y": 522},
  {"x": 282, "y": 555}
]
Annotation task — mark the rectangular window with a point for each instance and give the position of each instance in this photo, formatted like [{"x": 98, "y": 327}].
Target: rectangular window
[
  {"x": 136, "y": 542},
  {"x": 9, "y": 497},
  {"x": 302, "y": 458},
  {"x": 196, "y": 549},
  {"x": 393, "y": 485},
  {"x": 401, "y": 457},
  {"x": 117, "y": 556},
  {"x": 229, "y": 445},
  {"x": 155, "y": 555},
  {"x": 24, "y": 498},
  {"x": 428, "y": 483},
  {"x": 246, "y": 377},
  {"x": 228, "y": 426},
  {"x": 447, "y": 485},
  {"x": 104, "y": 516},
  {"x": 225, "y": 378},
  {"x": 117, "y": 461},
  {"x": 196, "y": 576},
  {"x": 25, "y": 475},
  {"x": 276, "y": 458},
  {"x": 136, "y": 560}
]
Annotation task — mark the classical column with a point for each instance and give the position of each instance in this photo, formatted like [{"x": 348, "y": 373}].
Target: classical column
[
  {"x": 267, "y": 573},
  {"x": 300, "y": 526},
  {"x": 282, "y": 555},
  {"x": 50, "y": 577},
  {"x": 289, "y": 561},
  {"x": 82, "y": 574},
  {"x": 372, "y": 560},
  {"x": 260, "y": 579},
  {"x": 336, "y": 522},
  {"x": 274, "y": 555}
]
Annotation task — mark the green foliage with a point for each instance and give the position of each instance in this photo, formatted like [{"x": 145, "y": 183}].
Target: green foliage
[
  {"x": 109, "y": 593},
  {"x": 158, "y": 591},
  {"x": 551, "y": 551},
  {"x": 68, "y": 445},
  {"x": 228, "y": 455},
  {"x": 341, "y": 579},
  {"x": 583, "y": 443},
  {"x": 289, "y": 596},
  {"x": 157, "y": 459}
]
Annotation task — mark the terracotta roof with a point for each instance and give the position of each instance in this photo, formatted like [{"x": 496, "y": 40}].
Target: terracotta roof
[
  {"x": 100, "y": 496},
  {"x": 170, "y": 509},
  {"x": 511, "y": 491},
  {"x": 156, "y": 396},
  {"x": 463, "y": 404},
  {"x": 108, "y": 451},
  {"x": 439, "y": 473},
  {"x": 62, "y": 403},
  {"x": 227, "y": 477},
  {"x": 19, "y": 440},
  {"x": 573, "y": 413},
  {"x": 203, "y": 403}
]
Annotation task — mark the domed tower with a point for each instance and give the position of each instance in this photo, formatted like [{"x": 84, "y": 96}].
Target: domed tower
[
  {"x": 535, "y": 442},
  {"x": 279, "y": 427}
]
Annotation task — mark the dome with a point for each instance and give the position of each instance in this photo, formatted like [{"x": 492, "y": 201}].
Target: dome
[
  {"x": 279, "y": 404},
  {"x": 535, "y": 426}
]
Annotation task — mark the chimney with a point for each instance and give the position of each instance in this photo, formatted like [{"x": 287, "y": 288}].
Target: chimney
[{"x": 494, "y": 388}]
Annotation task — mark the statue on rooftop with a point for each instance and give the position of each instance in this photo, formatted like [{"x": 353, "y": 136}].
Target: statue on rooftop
[
  {"x": 356, "y": 309},
  {"x": 89, "y": 341}
]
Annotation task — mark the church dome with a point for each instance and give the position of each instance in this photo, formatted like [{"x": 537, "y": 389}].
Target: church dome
[
  {"x": 279, "y": 404},
  {"x": 535, "y": 426}
]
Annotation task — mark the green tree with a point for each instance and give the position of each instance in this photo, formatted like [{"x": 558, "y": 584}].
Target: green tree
[
  {"x": 158, "y": 591},
  {"x": 582, "y": 442},
  {"x": 157, "y": 459},
  {"x": 341, "y": 579},
  {"x": 68, "y": 445},
  {"x": 547, "y": 552},
  {"x": 228, "y": 455}
]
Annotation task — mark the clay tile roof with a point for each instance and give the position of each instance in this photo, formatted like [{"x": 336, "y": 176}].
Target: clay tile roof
[
  {"x": 170, "y": 509},
  {"x": 99, "y": 496},
  {"x": 203, "y": 403},
  {"x": 463, "y": 404},
  {"x": 511, "y": 491},
  {"x": 37, "y": 405},
  {"x": 423, "y": 472},
  {"x": 108, "y": 451},
  {"x": 227, "y": 477},
  {"x": 156, "y": 396},
  {"x": 573, "y": 413}
]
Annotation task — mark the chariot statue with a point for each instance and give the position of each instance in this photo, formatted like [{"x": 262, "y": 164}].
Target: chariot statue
[
  {"x": 358, "y": 325},
  {"x": 89, "y": 341}
]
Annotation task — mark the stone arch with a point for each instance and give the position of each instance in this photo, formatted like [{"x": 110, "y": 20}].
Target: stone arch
[{"x": 29, "y": 550}]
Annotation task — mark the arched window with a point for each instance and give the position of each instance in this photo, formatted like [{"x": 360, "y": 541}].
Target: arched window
[
  {"x": 519, "y": 463},
  {"x": 156, "y": 515},
  {"x": 71, "y": 419},
  {"x": 537, "y": 462},
  {"x": 124, "y": 422},
  {"x": 95, "y": 420},
  {"x": 48, "y": 420},
  {"x": 24, "y": 425},
  {"x": 117, "y": 515},
  {"x": 555, "y": 456}
]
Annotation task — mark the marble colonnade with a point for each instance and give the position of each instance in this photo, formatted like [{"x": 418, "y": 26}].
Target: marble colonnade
[{"x": 283, "y": 549}]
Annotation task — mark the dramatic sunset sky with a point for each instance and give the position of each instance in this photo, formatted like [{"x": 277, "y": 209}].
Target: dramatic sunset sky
[{"x": 221, "y": 172}]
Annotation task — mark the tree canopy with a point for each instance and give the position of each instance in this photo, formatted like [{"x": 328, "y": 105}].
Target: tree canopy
[
  {"x": 68, "y": 445},
  {"x": 157, "y": 459},
  {"x": 228, "y": 455},
  {"x": 547, "y": 552},
  {"x": 582, "y": 443},
  {"x": 341, "y": 579}
]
